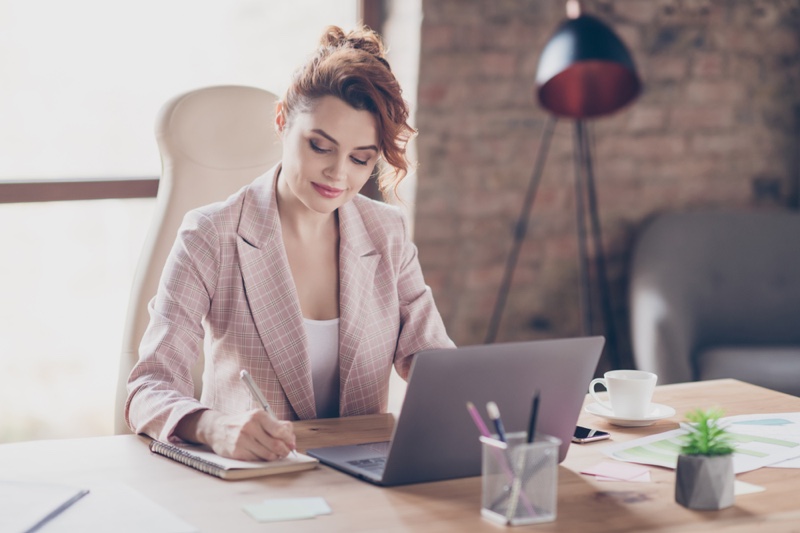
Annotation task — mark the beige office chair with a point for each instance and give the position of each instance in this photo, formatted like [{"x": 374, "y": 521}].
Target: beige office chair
[{"x": 213, "y": 141}]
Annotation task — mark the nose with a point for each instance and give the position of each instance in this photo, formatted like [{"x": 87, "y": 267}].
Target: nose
[{"x": 336, "y": 170}]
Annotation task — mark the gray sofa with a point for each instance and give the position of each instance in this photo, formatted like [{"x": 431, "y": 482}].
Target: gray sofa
[{"x": 717, "y": 295}]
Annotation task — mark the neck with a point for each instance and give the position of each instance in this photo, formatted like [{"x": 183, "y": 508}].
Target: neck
[{"x": 297, "y": 219}]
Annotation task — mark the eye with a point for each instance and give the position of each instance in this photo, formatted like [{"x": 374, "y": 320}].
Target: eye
[
  {"x": 359, "y": 161},
  {"x": 317, "y": 148}
]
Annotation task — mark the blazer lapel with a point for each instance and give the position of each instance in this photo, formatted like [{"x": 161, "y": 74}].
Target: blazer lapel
[
  {"x": 358, "y": 260},
  {"x": 272, "y": 296}
]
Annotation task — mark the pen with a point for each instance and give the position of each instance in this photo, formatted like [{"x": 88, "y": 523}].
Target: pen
[
  {"x": 534, "y": 415},
  {"x": 257, "y": 395},
  {"x": 494, "y": 414},
  {"x": 476, "y": 417},
  {"x": 255, "y": 391},
  {"x": 516, "y": 486}
]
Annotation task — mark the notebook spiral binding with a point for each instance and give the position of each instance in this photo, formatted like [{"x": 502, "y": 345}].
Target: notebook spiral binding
[{"x": 186, "y": 458}]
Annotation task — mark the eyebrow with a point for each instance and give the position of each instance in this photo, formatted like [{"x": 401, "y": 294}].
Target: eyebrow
[{"x": 334, "y": 141}]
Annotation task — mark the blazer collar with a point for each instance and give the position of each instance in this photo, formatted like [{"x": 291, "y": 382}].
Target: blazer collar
[
  {"x": 358, "y": 261},
  {"x": 259, "y": 223},
  {"x": 273, "y": 300}
]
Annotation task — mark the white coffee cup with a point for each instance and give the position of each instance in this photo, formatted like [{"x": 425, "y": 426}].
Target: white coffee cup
[{"x": 630, "y": 392}]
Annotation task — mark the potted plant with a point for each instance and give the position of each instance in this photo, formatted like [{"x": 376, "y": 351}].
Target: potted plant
[{"x": 704, "y": 477}]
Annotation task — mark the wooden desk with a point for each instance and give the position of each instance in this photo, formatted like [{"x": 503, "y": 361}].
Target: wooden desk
[{"x": 584, "y": 505}]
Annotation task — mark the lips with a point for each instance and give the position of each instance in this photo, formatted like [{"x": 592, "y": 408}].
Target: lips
[{"x": 327, "y": 192}]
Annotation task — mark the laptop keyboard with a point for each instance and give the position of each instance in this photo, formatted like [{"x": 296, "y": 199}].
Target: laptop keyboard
[{"x": 373, "y": 464}]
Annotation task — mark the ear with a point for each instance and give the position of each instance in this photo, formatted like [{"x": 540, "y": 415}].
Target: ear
[{"x": 280, "y": 118}]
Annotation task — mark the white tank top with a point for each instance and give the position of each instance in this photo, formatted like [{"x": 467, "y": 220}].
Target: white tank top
[{"x": 323, "y": 351}]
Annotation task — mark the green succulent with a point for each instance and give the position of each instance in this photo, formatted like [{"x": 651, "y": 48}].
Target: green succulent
[{"x": 705, "y": 436}]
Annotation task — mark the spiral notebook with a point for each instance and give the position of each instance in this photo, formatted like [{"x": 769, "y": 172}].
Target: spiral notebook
[{"x": 202, "y": 459}]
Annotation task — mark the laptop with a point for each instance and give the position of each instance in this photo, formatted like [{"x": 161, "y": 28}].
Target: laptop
[{"x": 435, "y": 438}]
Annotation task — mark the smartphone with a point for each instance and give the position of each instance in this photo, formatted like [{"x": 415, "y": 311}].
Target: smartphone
[{"x": 583, "y": 434}]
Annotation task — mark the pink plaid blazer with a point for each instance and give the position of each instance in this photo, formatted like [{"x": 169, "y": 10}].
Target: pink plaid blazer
[{"x": 227, "y": 285}]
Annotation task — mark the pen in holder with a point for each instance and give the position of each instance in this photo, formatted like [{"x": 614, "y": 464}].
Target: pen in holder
[{"x": 519, "y": 480}]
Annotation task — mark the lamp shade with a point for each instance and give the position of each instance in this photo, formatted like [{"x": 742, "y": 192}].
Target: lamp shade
[{"x": 585, "y": 71}]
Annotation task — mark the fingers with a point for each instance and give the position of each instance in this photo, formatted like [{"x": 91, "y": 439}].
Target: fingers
[
  {"x": 270, "y": 449},
  {"x": 280, "y": 433},
  {"x": 256, "y": 450},
  {"x": 255, "y": 435},
  {"x": 279, "y": 429}
]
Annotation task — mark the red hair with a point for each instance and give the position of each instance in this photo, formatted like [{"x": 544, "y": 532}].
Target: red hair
[{"x": 352, "y": 67}]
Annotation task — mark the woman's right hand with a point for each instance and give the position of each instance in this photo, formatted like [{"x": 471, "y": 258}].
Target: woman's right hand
[{"x": 251, "y": 436}]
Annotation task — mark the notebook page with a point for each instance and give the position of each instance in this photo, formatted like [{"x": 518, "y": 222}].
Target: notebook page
[{"x": 235, "y": 463}]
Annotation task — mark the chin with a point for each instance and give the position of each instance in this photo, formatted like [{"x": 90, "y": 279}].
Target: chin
[{"x": 324, "y": 207}]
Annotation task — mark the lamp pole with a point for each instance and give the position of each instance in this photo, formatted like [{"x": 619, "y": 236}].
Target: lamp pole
[
  {"x": 583, "y": 147},
  {"x": 520, "y": 229},
  {"x": 584, "y": 71}
]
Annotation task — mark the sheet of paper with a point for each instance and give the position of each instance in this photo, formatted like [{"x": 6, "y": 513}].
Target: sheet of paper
[
  {"x": 644, "y": 477},
  {"x": 740, "y": 488},
  {"x": 789, "y": 463},
  {"x": 119, "y": 508},
  {"x": 281, "y": 509},
  {"x": 776, "y": 425},
  {"x": 616, "y": 470},
  {"x": 25, "y": 504},
  {"x": 759, "y": 440}
]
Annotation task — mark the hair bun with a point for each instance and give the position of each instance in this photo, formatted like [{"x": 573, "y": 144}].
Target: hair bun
[{"x": 361, "y": 38}]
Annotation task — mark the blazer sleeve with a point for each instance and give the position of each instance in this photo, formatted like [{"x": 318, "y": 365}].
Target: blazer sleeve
[
  {"x": 421, "y": 325},
  {"x": 160, "y": 387}
]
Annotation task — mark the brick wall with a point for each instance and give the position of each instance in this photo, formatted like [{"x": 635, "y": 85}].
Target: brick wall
[{"x": 716, "y": 127}]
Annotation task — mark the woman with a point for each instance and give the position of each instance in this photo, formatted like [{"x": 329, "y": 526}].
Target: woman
[{"x": 313, "y": 289}]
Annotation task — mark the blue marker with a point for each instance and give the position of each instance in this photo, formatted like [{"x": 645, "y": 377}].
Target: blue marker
[{"x": 494, "y": 414}]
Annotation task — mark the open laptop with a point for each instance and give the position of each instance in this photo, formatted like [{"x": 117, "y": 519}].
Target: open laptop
[{"x": 435, "y": 438}]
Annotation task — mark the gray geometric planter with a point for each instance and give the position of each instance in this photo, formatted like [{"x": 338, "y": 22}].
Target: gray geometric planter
[{"x": 704, "y": 482}]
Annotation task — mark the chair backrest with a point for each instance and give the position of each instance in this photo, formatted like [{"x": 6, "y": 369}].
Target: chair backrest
[
  {"x": 213, "y": 141},
  {"x": 700, "y": 280}
]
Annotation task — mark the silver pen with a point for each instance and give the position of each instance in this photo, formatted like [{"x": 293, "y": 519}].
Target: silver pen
[
  {"x": 257, "y": 395},
  {"x": 255, "y": 391}
]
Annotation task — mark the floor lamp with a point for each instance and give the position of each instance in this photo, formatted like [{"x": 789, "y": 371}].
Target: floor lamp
[{"x": 584, "y": 72}]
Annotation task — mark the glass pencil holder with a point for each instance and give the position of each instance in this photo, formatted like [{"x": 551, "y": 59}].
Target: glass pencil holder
[{"x": 519, "y": 480}]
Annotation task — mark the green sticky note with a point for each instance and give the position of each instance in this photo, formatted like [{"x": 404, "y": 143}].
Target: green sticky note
[
  {"x": 278, "y": 509},
  {"x": 316, "y": 504}
]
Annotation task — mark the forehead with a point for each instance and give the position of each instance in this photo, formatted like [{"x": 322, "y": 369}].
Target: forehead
[{"x": 349, "y": 126}]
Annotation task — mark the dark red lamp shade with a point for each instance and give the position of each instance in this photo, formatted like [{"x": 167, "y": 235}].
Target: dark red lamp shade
[{"x": 585, "y": 71}]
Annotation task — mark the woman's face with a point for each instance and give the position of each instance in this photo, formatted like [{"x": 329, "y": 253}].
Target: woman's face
[{"x": 328, "y": 154}]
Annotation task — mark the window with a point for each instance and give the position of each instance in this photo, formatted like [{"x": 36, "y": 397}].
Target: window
[
  {"x": 82, "y": 84},
  {"x": 83, "y": 80}
]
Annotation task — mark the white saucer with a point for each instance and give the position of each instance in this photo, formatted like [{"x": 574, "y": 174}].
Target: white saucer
[{"x": 657, "y": 412}]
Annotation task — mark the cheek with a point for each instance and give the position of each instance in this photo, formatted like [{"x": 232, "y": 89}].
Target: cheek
[
  {"x": 295, "y": 160},
  {"x": 361, "y": 176}
]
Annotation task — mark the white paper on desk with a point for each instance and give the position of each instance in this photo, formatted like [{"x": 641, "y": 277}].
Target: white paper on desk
[
  {"x": 24, "y": 505},
  {"x": 644, "y": 477},
  {"x": 740, "y": 488},
  {"x": 119, "y": 508},
  {"x": 789, "y": 463},
  {"x": 777, "y": 425},
  {"x": 759, "y": 441}
]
